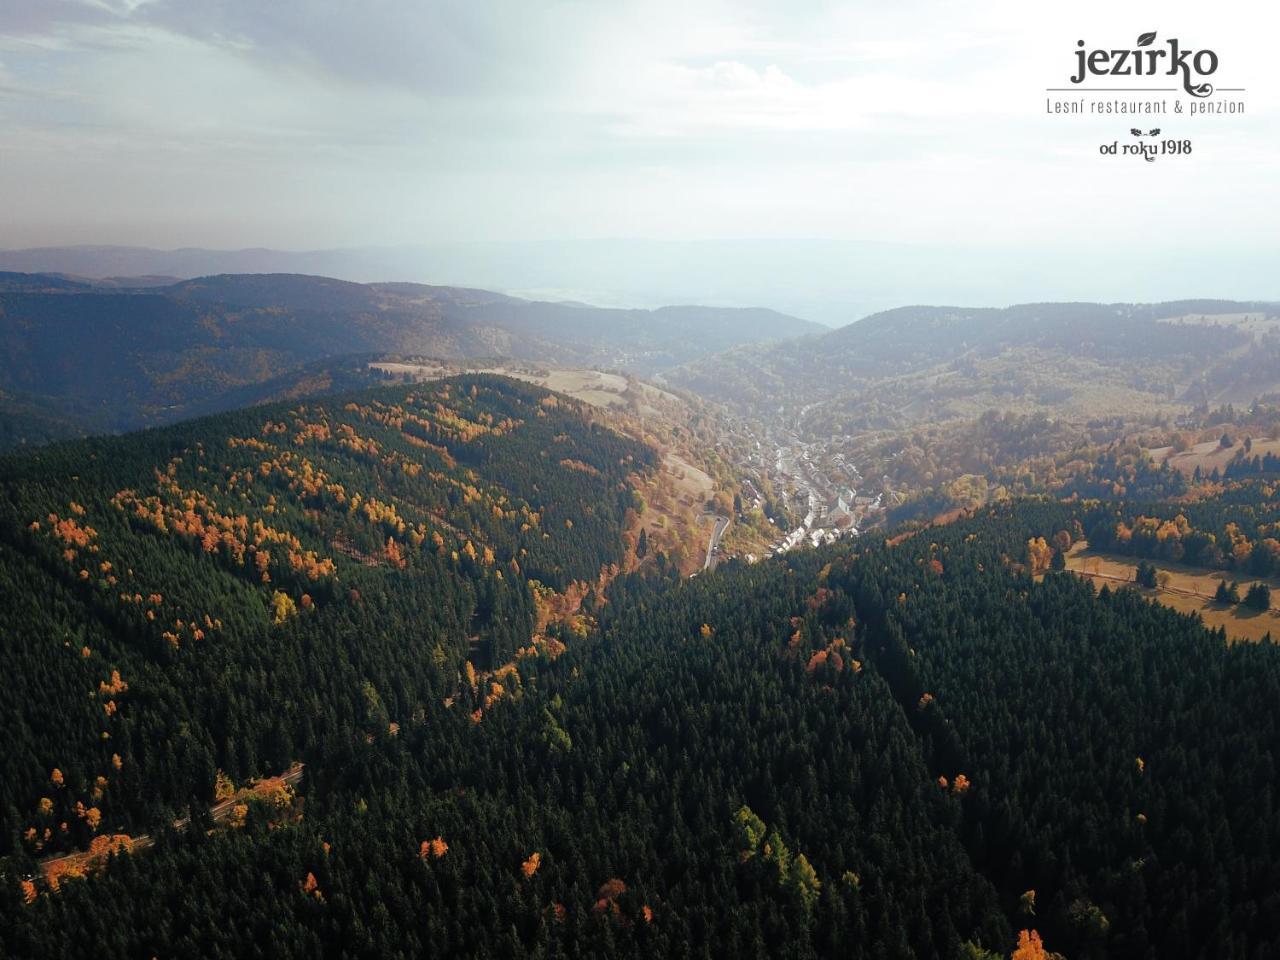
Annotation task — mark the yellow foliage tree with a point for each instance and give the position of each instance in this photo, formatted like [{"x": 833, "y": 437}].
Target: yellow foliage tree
[
  {"x": 282, "y": 607},
  {"x": 1039, "y": 555},
  {"x": 804, "y": 880}
]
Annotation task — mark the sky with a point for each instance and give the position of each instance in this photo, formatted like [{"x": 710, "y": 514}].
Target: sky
[{"x": 918, "y": 125}]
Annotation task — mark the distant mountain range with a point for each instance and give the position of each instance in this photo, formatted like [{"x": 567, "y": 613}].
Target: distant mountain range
[
  {"x": 933, "y": 364},
  {"x": 833, "y": 281},
  {"x": 120, "y": 352},
  {"x": 96, "y": 262},
  {"x": 123, "y": 353}
]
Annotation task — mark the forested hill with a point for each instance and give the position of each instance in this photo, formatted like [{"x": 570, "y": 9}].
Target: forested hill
[
  {"x": 114, "y": 357},
  {"x": 919, "y": 747},
  {"x": 927, "y": 364},
  {"x": 234, "y": 593}
]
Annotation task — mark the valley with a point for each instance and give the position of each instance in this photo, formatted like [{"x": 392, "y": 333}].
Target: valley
[
  {"x": 937, "y": 408},
  {"x": 645, "y": 664},
  {"x": 821, "y": 494},
  {"x": 536, "y": 481}
]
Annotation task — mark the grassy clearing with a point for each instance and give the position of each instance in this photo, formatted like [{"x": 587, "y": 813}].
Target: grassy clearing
[
  {"x": 1256, "y": 324},
  {"x": 591, "y": 386},
  {"x": 1186, "y": 589},
  {"x": 1210, "y": 454}
]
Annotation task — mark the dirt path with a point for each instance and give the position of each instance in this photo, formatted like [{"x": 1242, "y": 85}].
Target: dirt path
[
  {"x": 70, "y": 862},
  {"x": 1178, "y": 591}
]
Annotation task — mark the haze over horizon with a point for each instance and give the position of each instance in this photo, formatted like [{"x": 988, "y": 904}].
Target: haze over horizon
[
  {"x": 828, "y": 281},
  {"x": 825, "y": 160}
]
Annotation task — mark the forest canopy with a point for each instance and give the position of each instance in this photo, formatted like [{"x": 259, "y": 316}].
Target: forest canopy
[{"x": 928, "y": 744}]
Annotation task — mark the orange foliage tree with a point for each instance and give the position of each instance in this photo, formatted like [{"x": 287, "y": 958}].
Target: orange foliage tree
[
  {"x": 433, "y": 849},
  {"x": 1030, "y": 947},
  {"x": 530, "y": 866}
]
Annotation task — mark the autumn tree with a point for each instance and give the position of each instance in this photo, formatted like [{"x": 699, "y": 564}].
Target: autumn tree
[
  {"x": 1029, "y": 947},
  {"x": 1039, "y": 554},
  {"x": 803, "y": 879},
  {"x": 282, "y": 607},
  {"x": 433, "y": 849}
]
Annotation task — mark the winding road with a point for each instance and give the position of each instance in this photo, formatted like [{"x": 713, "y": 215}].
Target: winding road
[{"x": 722, "y": 524}]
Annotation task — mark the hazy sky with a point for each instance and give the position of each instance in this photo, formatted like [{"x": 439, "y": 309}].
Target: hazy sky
[{"x": 323, "y": 123}]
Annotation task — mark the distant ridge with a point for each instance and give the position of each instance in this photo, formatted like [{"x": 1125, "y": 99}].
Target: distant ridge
[
  {"x": 936, "y": 363},
  {"x": 125, "y": 353}
]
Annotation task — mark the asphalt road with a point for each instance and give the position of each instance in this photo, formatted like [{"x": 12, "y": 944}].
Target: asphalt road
[{"x": 722, "y": 524}]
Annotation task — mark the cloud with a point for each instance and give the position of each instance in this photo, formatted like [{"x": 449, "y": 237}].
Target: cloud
[
  {"x": 331, "y": 122},
  {"x": 453, "y": 47},
  {"x": 681, "y": 100}
]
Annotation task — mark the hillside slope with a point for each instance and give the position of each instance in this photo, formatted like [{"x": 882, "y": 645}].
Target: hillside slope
[
  {"x": 115, "y": 358},
  {"x": 909, "y": 749},
  {"x": 932, "y": 363},
  {"x": 942, "y": 407},
  {"x": 233, "y": 591}
]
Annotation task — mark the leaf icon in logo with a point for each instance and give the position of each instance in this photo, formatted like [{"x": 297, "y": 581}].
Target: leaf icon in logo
[
  {"x": 1154, "y": 133},
  {"x": 1146, "y": 39},
  {"x": 1135, "y": 131}
]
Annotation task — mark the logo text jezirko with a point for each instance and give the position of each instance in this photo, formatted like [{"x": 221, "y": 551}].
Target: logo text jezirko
[{"x": 1149, "y": 60}]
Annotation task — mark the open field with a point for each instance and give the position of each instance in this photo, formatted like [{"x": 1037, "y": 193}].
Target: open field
[
  {"x": 1253, "y": 323},
  {"x": 1188, "y": 590},
  {"x": 591, "y": 386},
  {"x": 418, "y": 371},
  {"x": 1210, "y": 454},
  {"x": 693, "y": 485}
]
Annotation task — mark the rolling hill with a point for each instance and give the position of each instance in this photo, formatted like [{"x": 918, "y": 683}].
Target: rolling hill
[
  {"x": 446, "y": 508},
  {"x": 928, "y": 364},
  {"x": 108, "y": 356},
  {"x": 932, "y": 408}
]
